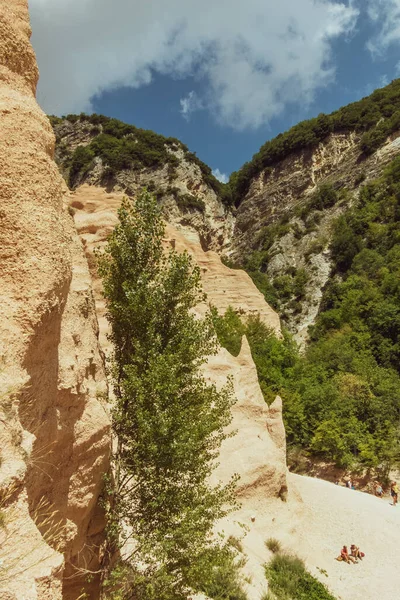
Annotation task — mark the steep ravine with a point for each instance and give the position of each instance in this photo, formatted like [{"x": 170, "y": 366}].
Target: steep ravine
[
  {"x": 54, "y": 428},
  {"x": 277, "y": 197}
]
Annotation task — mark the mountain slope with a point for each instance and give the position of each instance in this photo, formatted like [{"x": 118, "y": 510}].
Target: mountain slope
[
  {"x": 291, "y": 192},
  {"x": 99, "y": 151}
]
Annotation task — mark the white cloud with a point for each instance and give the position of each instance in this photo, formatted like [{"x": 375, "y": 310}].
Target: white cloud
[
  {"x": 190, "y": 104},
  {"x": 252, "y": 57},
  {"x": 386, "y": 15},
  {"x": 222, "y": 177}
]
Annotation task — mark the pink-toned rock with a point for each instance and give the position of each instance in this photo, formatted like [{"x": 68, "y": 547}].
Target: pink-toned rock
[{"x": 54, "y": 431}]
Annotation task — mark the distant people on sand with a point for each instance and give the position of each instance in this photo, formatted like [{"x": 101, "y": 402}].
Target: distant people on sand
[
  {"x": 378, "y": 489},
  {"x": 394, "y": 492},
  {"x": 356, "y": 552},
  {"x": 345, "y": 556},
  {"x": 354, "y": 556},
  {"x": 350, "y": 484}
]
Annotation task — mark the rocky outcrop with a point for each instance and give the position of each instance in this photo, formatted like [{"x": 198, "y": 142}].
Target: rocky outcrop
[
  {"x": 54, "y": 429},
  {"x": 95, "y": 214},
  {"x": 207, "y": 221},
  {"x": 276, "y": 191},
  {"x": 279, "y": 195},
  {"x": 258, "y": 450}
]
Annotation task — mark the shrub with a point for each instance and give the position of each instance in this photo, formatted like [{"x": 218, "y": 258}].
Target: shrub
[
  {"x": 188, "y": 202},
  {"x": 325, "y": 197},
  {"x": 81, "y": 162},
  {"x": 273, "y": 545},
  {"x": 288, "y": 579},
  {"x": 235, "y": 543}
]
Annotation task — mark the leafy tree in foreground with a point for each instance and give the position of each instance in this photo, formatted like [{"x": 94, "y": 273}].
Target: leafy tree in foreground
[{"x": 167, "y": 419}]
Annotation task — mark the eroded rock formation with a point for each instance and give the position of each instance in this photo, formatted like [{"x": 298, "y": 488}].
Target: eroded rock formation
[
  {"x": 258, "y": 450},
  {"x": 54, "y": 429}
]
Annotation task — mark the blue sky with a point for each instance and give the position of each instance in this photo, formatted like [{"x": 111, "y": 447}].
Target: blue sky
[{"x": 223, "y": 79}]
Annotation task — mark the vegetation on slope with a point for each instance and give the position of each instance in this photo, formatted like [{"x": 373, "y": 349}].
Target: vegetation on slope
[
  {"x": 375, "y": 117},
  {"x": 288, "y": 289},
  {"x": 169, "y": 422},
  {"x": 122, "y": 146},
  {"x": 288, "y": 579},
  {"x": 342, "y": 396}
]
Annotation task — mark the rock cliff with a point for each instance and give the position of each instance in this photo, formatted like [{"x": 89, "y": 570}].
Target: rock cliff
[
  {"x": 277, "y": 208},
  {"x": 54, "y": 429},
  {"x": 185, "y": 187},
  {"x": 258, "y": 450}
]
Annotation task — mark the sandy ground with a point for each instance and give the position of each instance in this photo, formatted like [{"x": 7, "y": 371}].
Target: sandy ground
[
  {"x": 333, "y": 516},
  {"x": 315, "y": 523}
]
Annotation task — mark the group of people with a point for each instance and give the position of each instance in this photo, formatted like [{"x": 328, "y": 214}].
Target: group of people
[
  {"x": 353, "y": 557},
  {"x": 394, "y": 491}
]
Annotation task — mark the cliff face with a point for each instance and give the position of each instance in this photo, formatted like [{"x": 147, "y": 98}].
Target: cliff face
[
  {"x": 279, "y": 197},
  {"x": 53, "y": 426},
  {"x": 187, "y": 198},
  {"x": 258, "y": 450}
]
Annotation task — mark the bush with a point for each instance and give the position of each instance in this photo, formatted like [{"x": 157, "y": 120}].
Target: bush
[
  {"x": 325, "y": 197},
  {"x": 273, "y": 545},
  {"x": 188, "y": 202},
  {"x": 226, "y": 581},
  {"x": 288, "y": 579},
  {"x": 81, "y": 163},
  {"x": 235, "y": 543}
]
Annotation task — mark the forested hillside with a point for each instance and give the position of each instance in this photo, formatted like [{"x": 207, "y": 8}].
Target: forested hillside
[
  {"x": 342, "y": 396},
  {"x": 375, "y": 117},
  {"x": 121, "y": 147}
]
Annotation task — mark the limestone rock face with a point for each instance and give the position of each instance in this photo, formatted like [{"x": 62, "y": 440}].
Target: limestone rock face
[
  {"x": 54, "y": 431},
  {"x": 276, "y": 191},
  {"x": 211, "y": 225},
  {"x": 279, "y": 195}
]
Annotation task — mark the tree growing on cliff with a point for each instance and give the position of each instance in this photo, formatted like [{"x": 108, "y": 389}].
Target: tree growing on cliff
[{"x": 168, "y": 421}]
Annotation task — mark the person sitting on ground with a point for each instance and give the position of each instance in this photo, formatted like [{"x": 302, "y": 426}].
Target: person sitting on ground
[
  {"x": 394, "y": 492},
  {"x": 378, "y": 489},
  {"x": 356, "y": 552},
  {"x": 344, "y": 555}
]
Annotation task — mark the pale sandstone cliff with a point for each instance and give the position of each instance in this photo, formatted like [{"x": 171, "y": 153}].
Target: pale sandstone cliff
[
  {"x": 258, "y": 450},
  {"x": 54, "y": 431}
]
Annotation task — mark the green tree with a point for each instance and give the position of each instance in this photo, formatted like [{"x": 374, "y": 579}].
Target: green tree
[{"x": 169, "y": 422}]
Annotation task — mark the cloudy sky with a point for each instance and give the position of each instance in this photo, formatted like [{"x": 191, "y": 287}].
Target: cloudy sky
[{"x": 222, "y": 75}]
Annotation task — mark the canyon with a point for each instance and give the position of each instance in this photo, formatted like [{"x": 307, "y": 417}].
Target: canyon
[{"x": 54, "y": 416}]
